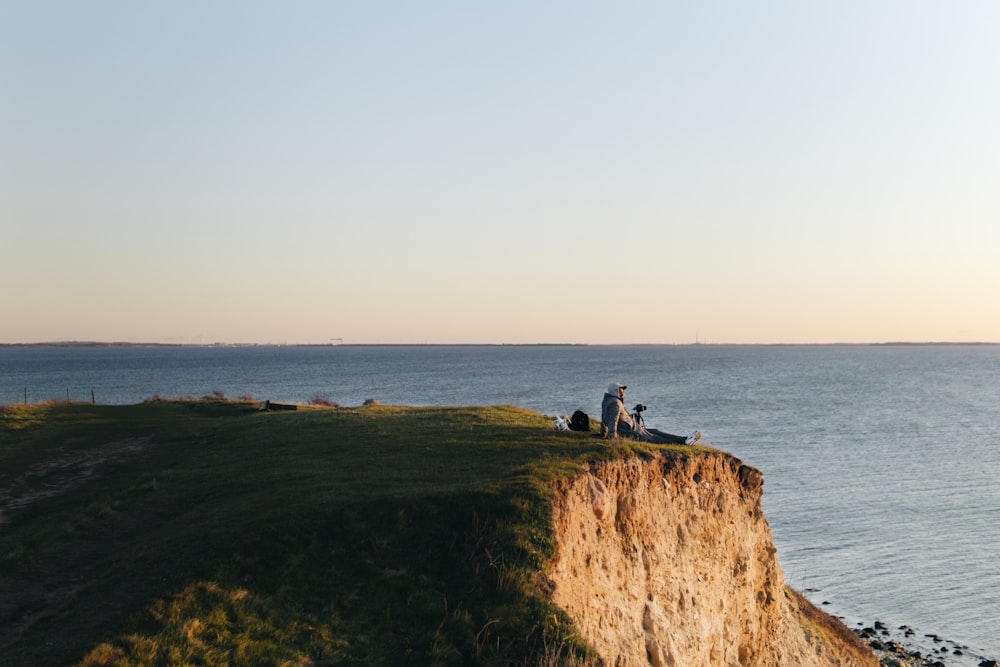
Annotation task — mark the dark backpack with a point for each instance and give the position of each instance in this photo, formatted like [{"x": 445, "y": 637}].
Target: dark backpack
[{"x": 579, "y": 421}]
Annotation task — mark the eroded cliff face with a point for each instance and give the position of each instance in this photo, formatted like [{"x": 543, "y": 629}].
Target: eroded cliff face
[{"x": 669, "y": 561}]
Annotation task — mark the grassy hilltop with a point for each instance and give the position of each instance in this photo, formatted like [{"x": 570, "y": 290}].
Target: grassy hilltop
[{"x": 208, "y": 532}]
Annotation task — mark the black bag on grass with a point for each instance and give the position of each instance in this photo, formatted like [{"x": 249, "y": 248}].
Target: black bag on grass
[{"x": 579, "y": 421}]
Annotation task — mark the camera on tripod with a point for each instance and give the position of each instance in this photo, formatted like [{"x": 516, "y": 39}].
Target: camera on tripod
[{"x": 637, "y": 412}]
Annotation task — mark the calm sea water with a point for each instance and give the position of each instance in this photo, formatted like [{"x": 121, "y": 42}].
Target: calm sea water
[{"x": 881, "y": 463}]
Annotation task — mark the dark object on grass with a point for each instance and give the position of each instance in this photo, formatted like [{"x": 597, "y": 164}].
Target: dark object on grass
[
  {"x": 579, "y": 421},
  {"x": 271, "y": 405}
]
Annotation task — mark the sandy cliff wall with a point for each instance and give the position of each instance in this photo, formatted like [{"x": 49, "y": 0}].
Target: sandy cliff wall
[{"x": 669, "y": 561}]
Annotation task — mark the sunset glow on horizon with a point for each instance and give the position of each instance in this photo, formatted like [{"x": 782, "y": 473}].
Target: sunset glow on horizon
[{"x": 518, "y": 173}]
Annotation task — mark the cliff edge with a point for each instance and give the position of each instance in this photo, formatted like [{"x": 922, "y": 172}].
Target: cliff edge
[{"x": 669, "y": 561}]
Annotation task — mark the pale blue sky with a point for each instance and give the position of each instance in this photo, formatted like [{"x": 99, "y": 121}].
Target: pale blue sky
[{"x": 519, "y": 172}]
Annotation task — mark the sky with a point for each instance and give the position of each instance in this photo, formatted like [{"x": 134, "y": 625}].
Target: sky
[{"x": 506, "y": 172}]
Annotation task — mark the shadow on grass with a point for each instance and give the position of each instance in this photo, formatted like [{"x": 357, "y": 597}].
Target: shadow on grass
[{"x": 374, "y": 535}]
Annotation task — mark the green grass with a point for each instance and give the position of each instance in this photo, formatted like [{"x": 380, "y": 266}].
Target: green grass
[{"x": 206, "y": 532}]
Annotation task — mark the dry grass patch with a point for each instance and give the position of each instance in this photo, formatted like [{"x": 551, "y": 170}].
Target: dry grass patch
[{"x": 832, "y": 630}]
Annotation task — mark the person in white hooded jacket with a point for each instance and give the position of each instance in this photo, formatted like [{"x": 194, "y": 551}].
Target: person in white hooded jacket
[{"x": 616, "y": 422}]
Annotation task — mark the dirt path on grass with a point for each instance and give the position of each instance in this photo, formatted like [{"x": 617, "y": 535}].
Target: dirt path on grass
[{"x": 67, "y": 470}]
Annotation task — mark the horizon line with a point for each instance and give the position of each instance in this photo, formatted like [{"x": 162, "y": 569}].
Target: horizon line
[{"x": 78, "y": 343}]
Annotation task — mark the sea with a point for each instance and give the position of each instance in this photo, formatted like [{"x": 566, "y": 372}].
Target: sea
[{"x": 881, "y": 462}]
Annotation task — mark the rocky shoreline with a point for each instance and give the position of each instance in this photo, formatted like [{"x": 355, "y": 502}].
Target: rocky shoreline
[{"x": 902, "y": 648}]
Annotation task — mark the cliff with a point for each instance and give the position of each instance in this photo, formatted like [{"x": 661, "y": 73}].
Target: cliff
[
  {"x": 212, "y": 532},
  {"x": 669, "y": 561}
]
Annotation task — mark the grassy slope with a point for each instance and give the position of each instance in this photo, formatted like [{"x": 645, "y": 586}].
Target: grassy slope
[{"x": 205, "y": 532}]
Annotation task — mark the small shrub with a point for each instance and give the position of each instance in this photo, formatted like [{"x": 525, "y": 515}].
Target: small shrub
[{"x": 323, "y": 401}]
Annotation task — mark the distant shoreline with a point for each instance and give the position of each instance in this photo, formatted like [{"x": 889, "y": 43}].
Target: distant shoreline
[
  {"x": 95, "y": 344},
  {"x": 126, "y": 344}
]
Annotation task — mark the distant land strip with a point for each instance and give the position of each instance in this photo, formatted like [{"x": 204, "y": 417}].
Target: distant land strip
[
  {"x": 109, "y": 344},
  {"x": 84, "y": 343}
]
